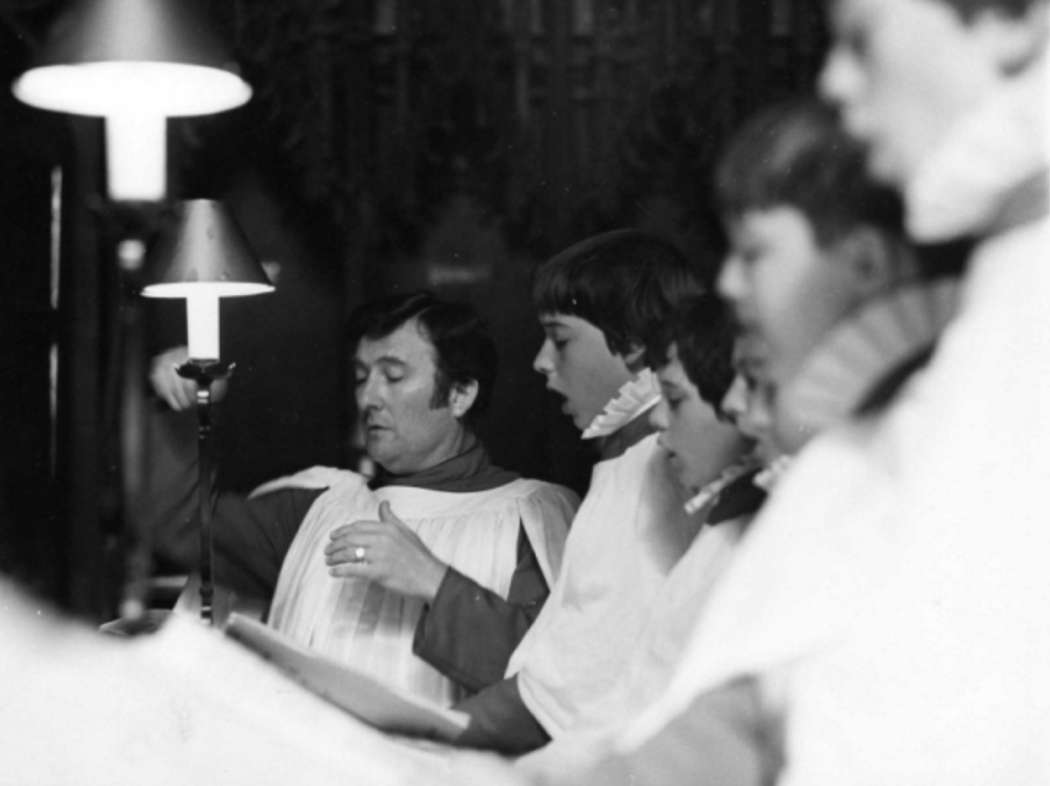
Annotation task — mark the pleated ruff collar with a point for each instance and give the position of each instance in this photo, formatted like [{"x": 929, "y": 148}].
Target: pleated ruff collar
[
  {"x": 854, "y": 362},
  {"x": 707, "y": 497},
  {"x": 634, "y": 398},
  {"x": 771, "y": 474}
]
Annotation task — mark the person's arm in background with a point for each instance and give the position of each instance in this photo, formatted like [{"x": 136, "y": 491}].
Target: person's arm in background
[{"x": 251, "y": 536}]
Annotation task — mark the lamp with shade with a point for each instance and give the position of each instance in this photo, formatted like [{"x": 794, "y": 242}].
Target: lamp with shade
[
  {"x": 203, "y": 257},
  {"x": 135, "y": 63}
]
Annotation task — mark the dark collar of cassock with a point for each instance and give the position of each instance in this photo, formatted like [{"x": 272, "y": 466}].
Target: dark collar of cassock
[
  {"x": 741, "y": 497},
  {"x": 627, "y": 436},
  {"x": 471, "y": 470}
]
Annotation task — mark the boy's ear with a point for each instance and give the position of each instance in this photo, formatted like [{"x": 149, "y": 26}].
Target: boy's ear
[
  {"x": 1012, "y": 41},
  {"x": 872, "y": 260},
  {"x": 461, "y": 397}
]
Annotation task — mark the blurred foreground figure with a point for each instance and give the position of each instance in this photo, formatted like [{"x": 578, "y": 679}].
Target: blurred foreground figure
[
  {"x": 942, "y": 666},
  {"x": 181, "y": 706},
  {"x": 888, "y": 609},
  {"x": 813, "y": 240}
]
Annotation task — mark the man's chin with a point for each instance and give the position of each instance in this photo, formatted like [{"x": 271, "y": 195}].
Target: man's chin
[{"x": 380, "y": 451}]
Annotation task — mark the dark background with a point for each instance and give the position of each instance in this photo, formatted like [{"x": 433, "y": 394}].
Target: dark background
[{"x": 389, "y": 145}]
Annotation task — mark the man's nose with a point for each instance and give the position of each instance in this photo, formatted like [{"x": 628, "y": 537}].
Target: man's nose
[{"x": 368, "y": 395}]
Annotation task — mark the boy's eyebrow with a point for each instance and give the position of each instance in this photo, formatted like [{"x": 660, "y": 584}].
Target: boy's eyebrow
[{"x": 551, "y": 322}]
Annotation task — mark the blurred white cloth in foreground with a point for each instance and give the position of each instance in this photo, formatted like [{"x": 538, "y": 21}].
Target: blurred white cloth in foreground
[{"x": 183, "y": 705}]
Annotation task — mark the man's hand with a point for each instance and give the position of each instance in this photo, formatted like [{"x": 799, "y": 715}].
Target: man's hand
[
  {"x": 178, "y": 392},
  {"x": 385, "y": 551}
]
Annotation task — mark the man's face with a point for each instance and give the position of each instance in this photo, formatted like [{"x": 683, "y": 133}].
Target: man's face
[
  {"x": 394, "y": 388},
  {"x": 785, "y": 290},
  {"x": 902, "y": 72},
  {"x": 579, "y": 365},
  {"x": 690, "y": 430}
]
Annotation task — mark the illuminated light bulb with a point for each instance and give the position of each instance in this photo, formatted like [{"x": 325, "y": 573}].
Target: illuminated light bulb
[
  {"x": 135, "y": 98},
  {"x": 136, "y": 166},
  {"x": 202, "y": 325},
  {"x": 135, "y": 63},
  {"x": 203, "y": 256}
]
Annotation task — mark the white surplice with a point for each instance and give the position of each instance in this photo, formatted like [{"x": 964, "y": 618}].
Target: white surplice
[
  {"x": 629, "y": 532},
  {"x": 183, "y": 705},
  {"x": 360, "y": 623}
]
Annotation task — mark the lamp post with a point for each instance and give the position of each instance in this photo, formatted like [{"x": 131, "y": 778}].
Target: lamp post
[
  {"x": 204, "y": 257},
  {"x": 135, "y": 63}
]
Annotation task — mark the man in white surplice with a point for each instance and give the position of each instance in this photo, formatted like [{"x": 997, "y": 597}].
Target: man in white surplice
[{"x": 427, "y": 575}]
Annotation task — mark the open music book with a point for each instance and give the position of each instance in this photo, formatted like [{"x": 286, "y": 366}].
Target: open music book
[{"x": 357, "y": 693}]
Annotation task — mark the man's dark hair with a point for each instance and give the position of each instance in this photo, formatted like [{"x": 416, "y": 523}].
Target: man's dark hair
[
  {"x": 626, "y": 283},
  {"x": 703, "y": 331},
  {"x": 463, "y": 349},
  {"x": 798, "y": 154}
]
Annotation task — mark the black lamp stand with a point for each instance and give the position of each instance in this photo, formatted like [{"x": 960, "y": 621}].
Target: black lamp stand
[{"x": 204, "y": 372}]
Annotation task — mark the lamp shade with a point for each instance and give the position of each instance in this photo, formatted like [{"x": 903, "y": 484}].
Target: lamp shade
[
  {"x": 136, "y": 63},
  {"x": 203, "y": 257},
  {"x": 204, "y": 251},
  {"x": 102, "y": 57}
]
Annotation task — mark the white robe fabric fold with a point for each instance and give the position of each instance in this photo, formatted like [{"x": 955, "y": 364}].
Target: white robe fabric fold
[
  {"x": 655, "y": 655},
  {"x": 360, "y": 623},
  {"x": 658, "y": 650},
  {"x": 183, "y": 705},
  {"x": 628, "y": 534}
]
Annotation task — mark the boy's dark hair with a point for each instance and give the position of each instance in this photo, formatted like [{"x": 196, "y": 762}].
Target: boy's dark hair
[
  {"x": 463, "y": 349},
  {"x": 704, "y": 333},
  {"x": 797, "y": 154},
  {"x": 627, "y": 283}
]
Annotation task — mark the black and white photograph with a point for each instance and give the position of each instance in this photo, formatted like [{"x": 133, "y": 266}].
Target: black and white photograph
[{"x": 525, "y": 392}]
